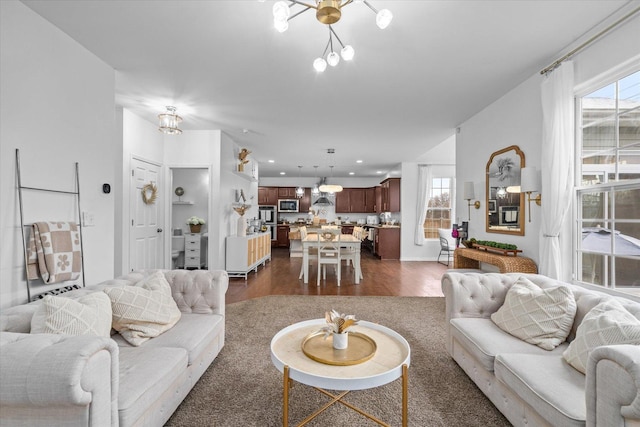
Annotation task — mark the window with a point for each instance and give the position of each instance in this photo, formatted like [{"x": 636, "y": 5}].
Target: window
[
  {"x": 608, "y": 191},
  {"x": 438, "y": 207}
]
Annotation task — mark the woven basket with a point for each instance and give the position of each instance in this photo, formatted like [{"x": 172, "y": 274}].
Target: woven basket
[{"x": 195, "y": 228}]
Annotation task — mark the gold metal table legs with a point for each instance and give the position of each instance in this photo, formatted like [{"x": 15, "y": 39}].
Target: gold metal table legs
[{"x": 287, "y": 382}]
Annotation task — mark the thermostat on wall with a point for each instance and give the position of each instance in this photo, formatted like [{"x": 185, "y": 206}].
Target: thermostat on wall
[{"x": 106, "y": 188}]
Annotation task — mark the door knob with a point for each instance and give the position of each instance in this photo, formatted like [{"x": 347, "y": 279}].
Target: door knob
[{"x": 159, "y": 230}]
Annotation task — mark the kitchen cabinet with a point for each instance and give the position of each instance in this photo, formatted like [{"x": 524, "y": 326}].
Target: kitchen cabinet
[
  {"x": 247, "y": 253},
  {"x": 370, "y": 200},
  {"x": 346, "y": 229},
  {"x": 286, "y": 192},
  {"x": 283, "y": 236},
  {"x": 378, "y": 190},
  {"x": 351, "y": 200},
  {"x": 305, "y": 201},
  {"x": 387, "y": 244},
  {"x": 390, "y": 195},
  {"x": 268, "y": 196},
  {"x": 192, "y": 251}
]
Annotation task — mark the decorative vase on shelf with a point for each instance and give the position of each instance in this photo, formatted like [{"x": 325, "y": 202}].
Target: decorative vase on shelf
[
  {"x": 340, "y": 341},
  {"x": 195, "y": 228}
]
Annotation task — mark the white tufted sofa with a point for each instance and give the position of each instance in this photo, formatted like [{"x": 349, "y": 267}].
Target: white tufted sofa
[
  {"x": 55, "y": 380},
  {"x": 529, "y": 385}
]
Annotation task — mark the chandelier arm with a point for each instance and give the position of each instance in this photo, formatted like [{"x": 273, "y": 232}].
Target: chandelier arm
[
  {"x": 299, "y": 13},
  {"x": 369, "y": 6},
  {"x": 308, "y": 6},
  {"x": 346, "y": 3},
  {"x": 334, "y": 33}
]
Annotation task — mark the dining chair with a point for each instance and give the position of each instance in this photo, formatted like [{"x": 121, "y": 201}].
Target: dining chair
[
  {"x": 447, "y": 244},
  {"x": 313, "y": 251},
  {"x": 349, "y": 254},
  {"x": 329, "y": 253}
]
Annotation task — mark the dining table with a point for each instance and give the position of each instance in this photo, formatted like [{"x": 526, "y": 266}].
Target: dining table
[{"x": 348, "y": 241}]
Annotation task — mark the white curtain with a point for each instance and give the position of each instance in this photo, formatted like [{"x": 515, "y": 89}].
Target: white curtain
[
  {"x": 557, "y": 166},
  {"x": 425, "y": 183}
]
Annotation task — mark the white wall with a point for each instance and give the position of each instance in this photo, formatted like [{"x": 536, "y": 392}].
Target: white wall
[
  {"x": 516, "y": 118},
  {"x": 57, "y": 107},
  {"x": 442, "y": 157}
]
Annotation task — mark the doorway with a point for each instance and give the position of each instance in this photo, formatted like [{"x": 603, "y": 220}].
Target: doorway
[{"x": 145, "y": 245}]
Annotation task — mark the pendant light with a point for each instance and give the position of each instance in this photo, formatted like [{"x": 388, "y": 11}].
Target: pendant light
[
  {"x": 315, "y": 190},
  {"x": 299, "y": 190}
]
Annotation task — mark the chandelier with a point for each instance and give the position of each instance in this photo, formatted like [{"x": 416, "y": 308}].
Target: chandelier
[
  {"x": 328, "y": 12},
  {"x": 330, "y": 188},
  {"x": 169, "y": 122}
]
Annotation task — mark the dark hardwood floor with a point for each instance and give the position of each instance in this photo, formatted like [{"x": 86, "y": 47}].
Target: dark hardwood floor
[{"x": 381, "y": 278}]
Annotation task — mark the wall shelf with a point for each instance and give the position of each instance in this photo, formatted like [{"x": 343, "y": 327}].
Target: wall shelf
[
  {"x": 181, "y": 202},
  {"x": 245, "y": 176}
]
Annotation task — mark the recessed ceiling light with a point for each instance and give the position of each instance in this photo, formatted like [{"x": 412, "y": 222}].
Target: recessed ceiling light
[
  {"x": 271, "y": 161},
  {"x": 352, "y": 173},
  {"x": 358, "y": 161},
  {"x": 378, "y": 171},
  {"x": 283, "y": 173}
]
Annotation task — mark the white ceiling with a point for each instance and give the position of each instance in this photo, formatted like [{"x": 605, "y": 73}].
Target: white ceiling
[{"x": 225, "y": 67}]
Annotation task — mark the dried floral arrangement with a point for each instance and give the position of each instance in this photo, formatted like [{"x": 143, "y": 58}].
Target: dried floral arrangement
[{"x": 337, "y": 323}]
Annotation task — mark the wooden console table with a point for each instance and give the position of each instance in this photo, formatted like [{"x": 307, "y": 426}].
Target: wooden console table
[{"x": 471, "y": 258}]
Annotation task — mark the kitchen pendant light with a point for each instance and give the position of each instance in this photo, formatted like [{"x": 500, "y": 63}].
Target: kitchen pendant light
[
  {"x": 315, "y": 190},
  {"x": 299, "y": 190},
  {"x": 330, "y": 188}
]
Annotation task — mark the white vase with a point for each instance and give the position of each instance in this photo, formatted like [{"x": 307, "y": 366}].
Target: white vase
[
  {"x": 242, "y": 227},
  {"x": 340, "y": 341}
]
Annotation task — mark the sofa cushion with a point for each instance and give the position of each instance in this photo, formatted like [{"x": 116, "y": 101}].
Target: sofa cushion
[
  {"x": 193, "y": 333},
  {"x": 145, "y": 374},
  {"x": 482, "y": 338},
  {"x": 538, "y": 316},
  {"x": 547, "y": 383},
  {"x": 88, "y": 315},
  {"x": 145, "y": 310},
  {"x": 608, "y": 323}
]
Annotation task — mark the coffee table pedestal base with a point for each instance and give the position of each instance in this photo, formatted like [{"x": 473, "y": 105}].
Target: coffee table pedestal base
[{"x": 338, "y": 399}]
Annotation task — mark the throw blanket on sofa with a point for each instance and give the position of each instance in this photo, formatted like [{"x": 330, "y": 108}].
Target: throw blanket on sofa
[{"x": 54, "y": 252}]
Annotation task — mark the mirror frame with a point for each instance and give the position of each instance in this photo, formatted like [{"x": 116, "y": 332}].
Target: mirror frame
[{"x": 520, "y": 231}]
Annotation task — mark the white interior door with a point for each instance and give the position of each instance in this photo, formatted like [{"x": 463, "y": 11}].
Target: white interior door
[{"x": 146, "y": 248}]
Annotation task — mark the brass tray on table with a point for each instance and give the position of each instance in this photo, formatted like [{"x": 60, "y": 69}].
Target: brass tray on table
[{"x": 360, "y": 349}]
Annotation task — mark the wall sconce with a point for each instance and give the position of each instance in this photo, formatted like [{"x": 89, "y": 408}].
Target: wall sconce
[
  {"x": 530, "y": 182},
  {"x": 469, "y": 194}
]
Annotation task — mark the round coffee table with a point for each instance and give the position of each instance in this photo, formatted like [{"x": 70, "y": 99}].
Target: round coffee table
[{"x": 390, "y": 362}]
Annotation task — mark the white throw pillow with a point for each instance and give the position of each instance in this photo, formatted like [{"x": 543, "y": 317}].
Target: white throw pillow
[
  {"x": 145, "y": 310},
  {"x": 608, "y": 323},
  {"x": 538, "y": 316},
  {"x": 87, "y": 315}
]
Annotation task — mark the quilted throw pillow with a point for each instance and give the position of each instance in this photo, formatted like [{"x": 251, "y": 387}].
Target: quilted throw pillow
[
  {"x": 144, "y": 310},
  {"x": 608, "y": 323},
  {"x": 538, "y": 316},
  {"x": 87, "y": 315}
]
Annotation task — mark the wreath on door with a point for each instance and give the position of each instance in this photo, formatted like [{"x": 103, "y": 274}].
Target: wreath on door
[{"x": 149, "y": 194}]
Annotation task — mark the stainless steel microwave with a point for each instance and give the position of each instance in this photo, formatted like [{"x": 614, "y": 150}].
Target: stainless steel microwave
[{"x": 288, "y": 205}]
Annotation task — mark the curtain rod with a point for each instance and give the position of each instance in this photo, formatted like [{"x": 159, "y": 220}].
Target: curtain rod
[{"x": 557, "y": 62}]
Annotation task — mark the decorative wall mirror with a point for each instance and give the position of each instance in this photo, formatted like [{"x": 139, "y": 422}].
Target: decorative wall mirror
[{"x": 505, "y": 202}]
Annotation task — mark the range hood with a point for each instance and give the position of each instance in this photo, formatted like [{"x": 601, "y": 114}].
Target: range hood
[{"x": 323, "y": 200}]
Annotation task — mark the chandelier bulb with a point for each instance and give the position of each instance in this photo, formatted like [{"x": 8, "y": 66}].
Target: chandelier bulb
[
  {"x": 347, "y": 52},
  {"x": 383, "y": 18},
  {"x": 281, "y": 25},
  {"x": 333, "y": 59},
  {"x": 281, "y": 10},
  {"x": 320, "y": 65}
]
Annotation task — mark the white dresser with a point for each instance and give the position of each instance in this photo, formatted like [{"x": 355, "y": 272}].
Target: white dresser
[
  {"x": 246, "y": 253},
  {"x": 192, "y": 250}
]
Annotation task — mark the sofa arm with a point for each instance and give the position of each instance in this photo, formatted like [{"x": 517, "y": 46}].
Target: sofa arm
[
  {"x": 48, "y": 379},
  {"x": 613, "y": 385}
]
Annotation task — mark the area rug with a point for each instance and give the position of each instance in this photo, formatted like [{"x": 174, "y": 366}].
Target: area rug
[{"x": 243, "y": 388}]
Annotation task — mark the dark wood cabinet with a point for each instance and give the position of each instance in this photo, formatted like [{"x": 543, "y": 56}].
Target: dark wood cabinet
[
  {"x": 305, "y": 201},
  {"x": 390, "y": 191},
  {"x": 378, "y": 190},
  {"x": 286, "y": 192},
  {"x": 388, "y": 242},
  {"x": 351, "y": 200},
  {"x": 283, "y": 236},
  {"x": 268, "y": 196},
  {"x": 346, "y": 229},
  {"x": 370, "y": 200}
]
